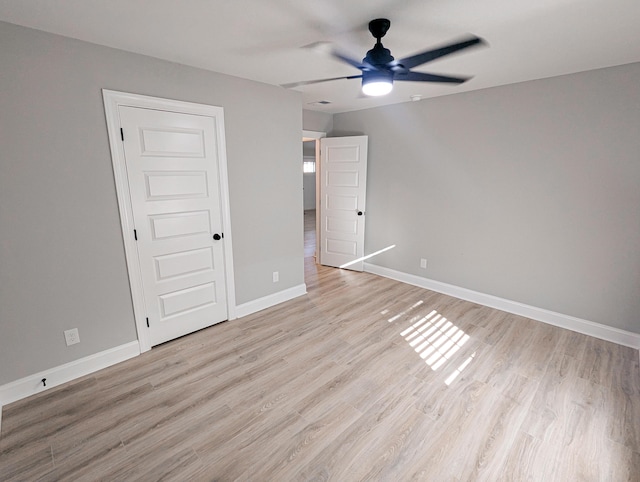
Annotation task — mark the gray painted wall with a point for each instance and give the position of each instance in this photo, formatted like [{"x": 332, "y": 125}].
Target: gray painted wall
[
  {"x": 317, "y": 121},
  {"x": 309, "y": 181},
  {"x": 530, "y": 192},
  {"x": 62, "y": 262},
  {"x": 309, "y": 148}
]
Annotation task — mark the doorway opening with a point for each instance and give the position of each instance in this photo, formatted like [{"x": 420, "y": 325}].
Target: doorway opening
[
  {"x": 309, "y": 196},
  {"x": 311, "y": 193}
]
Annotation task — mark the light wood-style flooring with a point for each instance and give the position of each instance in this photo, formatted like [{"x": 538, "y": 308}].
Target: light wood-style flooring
[
  {"x": 364, "y": 378},
  {"x": 309, "y": 233}
]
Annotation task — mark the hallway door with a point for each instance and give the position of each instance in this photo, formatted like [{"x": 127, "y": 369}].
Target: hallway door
[{"x": 343, "y": 190}]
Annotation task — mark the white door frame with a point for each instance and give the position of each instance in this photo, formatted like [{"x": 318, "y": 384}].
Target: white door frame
[
  {"x": 316, "y": 136},
  {"x": 112, "y": 101}
]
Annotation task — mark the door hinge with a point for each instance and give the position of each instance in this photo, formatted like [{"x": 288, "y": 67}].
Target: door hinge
[
  {"x": 135, "y": 234},
  {"x": 121, "y": 134},
  {"x": 147, "y": 322}
]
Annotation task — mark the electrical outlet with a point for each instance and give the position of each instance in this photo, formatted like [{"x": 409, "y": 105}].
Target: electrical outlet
[
  {"x": 423, "y": 263},
  {"x": 276, "y": 276},
  {"x": 72, "y": 336}
]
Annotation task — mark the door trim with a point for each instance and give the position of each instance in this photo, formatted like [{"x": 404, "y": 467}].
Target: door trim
[
  {"x": 112, "y": 101},
  {"x": 316, "y": 136}
]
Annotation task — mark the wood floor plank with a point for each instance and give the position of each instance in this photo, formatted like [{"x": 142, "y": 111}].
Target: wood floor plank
[
  {"x": 552, "y": 402},
  {"x": 336, "y": 459},
  {"x": 384, "y": 444},
  {"x": 80, "y": 459},
  {"x": 38, "y": 417},
  {"x": 269, "y": 431},
  {"x": 29, "y": 461},
  {"x": 447, "y": 451},
  {"x": 529, "y": 459},
  {"x": 363, "y": 378},
  {"x": 304, "y": 445},
  {"x": 624, "y": 428},
  {"x": 494, "y": 433}
]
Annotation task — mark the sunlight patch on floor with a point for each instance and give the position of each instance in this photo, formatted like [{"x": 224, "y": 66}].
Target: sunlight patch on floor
[
  {"x": 459, "y": 370},
  {"x": 435, "y": 339},
  {"x": 401, "y": 314},
  {"x": 363, "y": 258}
]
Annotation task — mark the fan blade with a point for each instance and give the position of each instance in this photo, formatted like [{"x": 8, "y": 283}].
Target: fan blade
[
  {"x": 422, "y": 77},
  {"x": 354, "y": 63},
  {"x": 326, "y": 48},
  {"x": 309, "y": 82},
  {"x": 429, "y": 55}
]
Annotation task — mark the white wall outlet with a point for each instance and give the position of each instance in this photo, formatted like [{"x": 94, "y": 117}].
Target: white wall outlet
[
  {"x": 276, "y": 276},
  {"x": 423, "y": 263},
  {"x": 71, "y": 336}
]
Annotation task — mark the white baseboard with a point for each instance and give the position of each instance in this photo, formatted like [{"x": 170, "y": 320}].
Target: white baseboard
[
  {"x": 32, "y": 384},
  {"x": 579, "y": 325},
  {"x": 270, "y": 300},
  {"x": 55, "y": 376}
]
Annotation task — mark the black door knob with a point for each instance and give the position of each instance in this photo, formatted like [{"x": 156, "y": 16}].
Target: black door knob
[
  {"x": 359, "y": 213},
  {"x": 217, "y": 237}
]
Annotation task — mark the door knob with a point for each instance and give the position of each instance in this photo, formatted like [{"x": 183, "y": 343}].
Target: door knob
[
  {"x": 217, "y": 237},
  {"x": 359, "y": 213}
]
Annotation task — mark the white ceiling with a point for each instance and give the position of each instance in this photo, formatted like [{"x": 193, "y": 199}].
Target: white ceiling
[{"x": 262, "y": 40}]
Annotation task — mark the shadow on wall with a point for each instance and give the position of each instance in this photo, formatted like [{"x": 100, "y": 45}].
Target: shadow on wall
[{"x": 347, "y": 133}]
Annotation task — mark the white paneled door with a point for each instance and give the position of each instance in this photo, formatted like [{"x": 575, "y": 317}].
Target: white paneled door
[
  {"x": 343, "y": 187},
  {"x": 172, "y": 169}
]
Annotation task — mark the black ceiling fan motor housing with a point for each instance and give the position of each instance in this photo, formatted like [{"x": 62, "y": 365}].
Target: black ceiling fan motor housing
[
  {"x": 379, "y": 27},
  {"x": 378, "y": 55}
]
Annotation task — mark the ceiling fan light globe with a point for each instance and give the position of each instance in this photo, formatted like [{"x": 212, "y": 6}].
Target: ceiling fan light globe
[
  {"x": 377, "y": 88},
  {"x": 377, "y": 82}
]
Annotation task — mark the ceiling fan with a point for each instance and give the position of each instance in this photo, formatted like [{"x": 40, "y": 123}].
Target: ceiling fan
[{"x": 379, "y": 68}]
